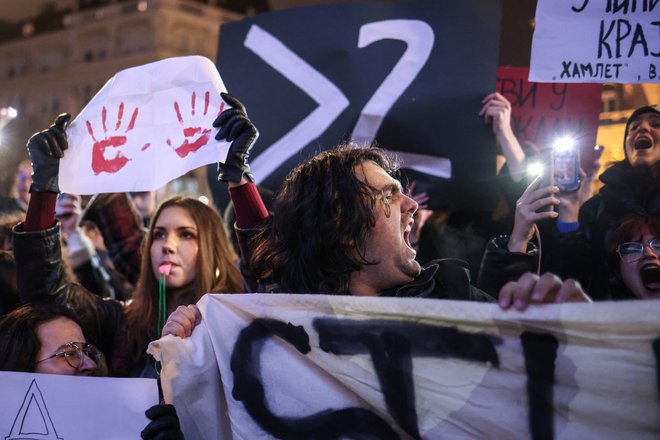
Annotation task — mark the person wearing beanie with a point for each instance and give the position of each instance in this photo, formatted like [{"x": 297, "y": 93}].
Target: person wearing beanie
[
  {"x": 631, "y": 186},
  {"x": 642, "y": 147}
]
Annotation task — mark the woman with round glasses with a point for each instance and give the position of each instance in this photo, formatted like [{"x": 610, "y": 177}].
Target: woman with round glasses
[
  {"x": 635, "y": 257},
  {"x": 80, "y": 356},
  {"x": 45, "y": 339}
]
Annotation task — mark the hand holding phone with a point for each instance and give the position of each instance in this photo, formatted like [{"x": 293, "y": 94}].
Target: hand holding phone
[{"x": 534, "y": 205}]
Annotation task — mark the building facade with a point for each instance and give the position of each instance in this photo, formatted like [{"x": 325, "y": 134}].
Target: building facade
[{"x": 59, "y": 69}]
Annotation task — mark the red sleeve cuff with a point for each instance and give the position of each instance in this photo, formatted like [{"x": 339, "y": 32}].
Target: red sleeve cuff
[
  {"x": 249, "y": 207},
  {"x": 41, "y": 211}
]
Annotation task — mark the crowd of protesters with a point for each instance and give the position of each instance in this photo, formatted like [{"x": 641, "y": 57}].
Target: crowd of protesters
[{"x": 84, "y": 291}]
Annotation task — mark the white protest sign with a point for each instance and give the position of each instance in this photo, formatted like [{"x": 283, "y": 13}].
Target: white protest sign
[
  {"x": 596, "y": 41},
  {"x": 315, "y": 366},
  {"x": 53, "y": 407},
  {"x": 147, "y": 126}
]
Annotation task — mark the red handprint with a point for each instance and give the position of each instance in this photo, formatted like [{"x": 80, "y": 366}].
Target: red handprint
[
  {"x": 203, "y": 136},
  {"x": 99, "y": 162}
]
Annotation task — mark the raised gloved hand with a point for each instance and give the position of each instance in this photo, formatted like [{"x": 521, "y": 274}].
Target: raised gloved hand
[
  {"x": 164, "y": 423},
  {"x": 237, "y": 129},
  {"x": 46, "y": 148}
]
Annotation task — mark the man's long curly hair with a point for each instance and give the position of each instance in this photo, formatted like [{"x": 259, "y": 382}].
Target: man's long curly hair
[{"x": 320, "y": 221}]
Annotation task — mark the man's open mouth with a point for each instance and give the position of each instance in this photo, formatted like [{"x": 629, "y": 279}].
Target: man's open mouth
[
  {"x": 406, "y": 236},
  {"x": 650, "y": 275}
]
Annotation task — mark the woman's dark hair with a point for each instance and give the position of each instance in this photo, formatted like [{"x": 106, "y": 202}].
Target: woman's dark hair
[
  {"x": 19, "y": 341},
  {"x": 320, "y": 221}
]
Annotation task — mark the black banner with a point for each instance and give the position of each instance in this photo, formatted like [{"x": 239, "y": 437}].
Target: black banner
[{"x": 410, "y": 76}]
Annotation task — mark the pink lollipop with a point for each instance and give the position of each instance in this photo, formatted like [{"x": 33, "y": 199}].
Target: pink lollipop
[{"x": 165, "y": 268}]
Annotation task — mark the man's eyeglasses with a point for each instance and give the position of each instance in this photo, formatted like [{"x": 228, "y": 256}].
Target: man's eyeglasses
[
  {"x": 73, "y": 353},
  {"x": 633, "y": 251}
]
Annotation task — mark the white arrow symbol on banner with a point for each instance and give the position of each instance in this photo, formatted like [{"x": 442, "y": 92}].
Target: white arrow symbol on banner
[
  {"x": 419, "y": 39},
  {"x": 330, "y": 99}
]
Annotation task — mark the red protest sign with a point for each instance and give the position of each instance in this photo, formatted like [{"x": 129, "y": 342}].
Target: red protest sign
[{"x": 541, "y": 112}]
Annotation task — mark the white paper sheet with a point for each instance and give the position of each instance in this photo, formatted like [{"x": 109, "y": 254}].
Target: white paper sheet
[
  {"x": 147, "y": 126},
  {"x": 50, "y": 407},
  {"x": 596, "y": 41}
]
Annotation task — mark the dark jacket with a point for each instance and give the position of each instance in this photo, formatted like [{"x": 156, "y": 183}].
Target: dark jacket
[
  {"x": 446, "y": 278},
  {"x": 563, "y": 254},
  {"x": 627, "y": 190},
  {"x": 499, "y": 265}
]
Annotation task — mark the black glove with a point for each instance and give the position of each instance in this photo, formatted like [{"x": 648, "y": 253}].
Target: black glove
[
  {"x": 236, "y": 128},
  {"x": 164, "y": 423},
  {"x": 46, "y": 148}
]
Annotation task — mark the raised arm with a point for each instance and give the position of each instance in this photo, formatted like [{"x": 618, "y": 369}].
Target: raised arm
[
  {"x": 497, "y": 111},
  {"x": 250, "y": 209},
  {"x": 40, "y": 274},
  {"x": 37, "y": 249}
]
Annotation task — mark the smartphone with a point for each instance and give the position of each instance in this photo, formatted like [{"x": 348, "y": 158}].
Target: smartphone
[
  {"x": 541, "y": 165},
  {"x": 566, "y": 169}
]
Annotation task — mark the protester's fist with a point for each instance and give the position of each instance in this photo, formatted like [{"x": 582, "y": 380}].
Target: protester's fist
[
  {"x": 496, "y": 110},
  {"x": 46, "y": 148},
  {"x": 546, "y": 289},
  {"x": 182, "y": 321}
]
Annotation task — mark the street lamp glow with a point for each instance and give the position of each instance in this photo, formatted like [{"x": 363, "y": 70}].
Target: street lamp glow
[{"x": 8, "y": 113}]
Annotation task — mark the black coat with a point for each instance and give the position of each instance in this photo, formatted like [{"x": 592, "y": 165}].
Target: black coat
[{"x": 627, "y": 191}]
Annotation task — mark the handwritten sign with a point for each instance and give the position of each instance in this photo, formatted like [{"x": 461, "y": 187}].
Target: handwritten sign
[
  {"x": 147, "y": 126},
  {"x": 298, "y": 366},
  {"x": 596, "y": 41},
  {"x": 51, "y": 407},
  {"x": 542, "y": 112}
]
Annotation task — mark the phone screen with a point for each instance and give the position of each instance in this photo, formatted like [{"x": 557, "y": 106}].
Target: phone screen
[{"x": 567, "y": 169}]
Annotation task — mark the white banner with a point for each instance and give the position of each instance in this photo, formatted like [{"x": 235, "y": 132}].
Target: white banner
[
  {"x": 57, "y": 407},
  {"x": 596, "y": 41},
  {"x": 314, "y": 366},
  {"x": 147, "y": 126}
]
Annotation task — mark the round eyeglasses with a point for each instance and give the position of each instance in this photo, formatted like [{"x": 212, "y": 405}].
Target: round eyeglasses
[
  {"x": 633, "y": 251},
  {"x": 73, "y": 353}
]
